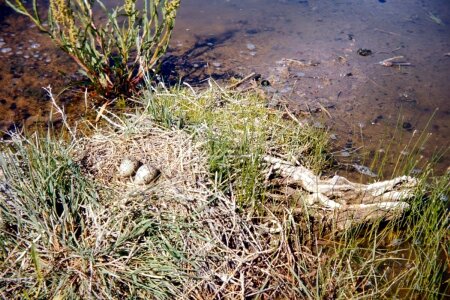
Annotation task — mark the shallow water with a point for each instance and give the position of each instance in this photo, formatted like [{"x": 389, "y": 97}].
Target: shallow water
[{"x": 307, "y": 50}]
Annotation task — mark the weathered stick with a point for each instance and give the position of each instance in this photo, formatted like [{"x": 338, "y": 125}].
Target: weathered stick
[{"x": 345, "y": 201}]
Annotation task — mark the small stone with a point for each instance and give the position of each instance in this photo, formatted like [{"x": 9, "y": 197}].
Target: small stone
[
  {"x": 416, "y": 171},
  {"x": 217, "y": 64},
  {"x": 364, "y": 170},
  {"x": 345, "y": 154},
  {"x": 2, "y": 44},
  {"x": 300, "y": 74},
  {"x": 35, "y": 45},
  {"x": 146, "y": 174},
  {"x": 318, "y": 125},
  {"x": 250, "y": 46},
  {"x": 286, "y": 90},
  {"x": 128, "y": 167},
  {"x": 407, "y": 126},
  {"x": 252, "y": 53},
  {"x": 6, "y": 50},
  {"x": 333, "y": 136},
  {"x": 265, "y": 82},
  {"x": 396, "y": 242},
  {"x": 364, "y": 52}
]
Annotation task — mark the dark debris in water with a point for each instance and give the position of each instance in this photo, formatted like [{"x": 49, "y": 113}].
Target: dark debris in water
[
  {"x": 407, "y": 126},
  {"x": 364, "y": 52}
]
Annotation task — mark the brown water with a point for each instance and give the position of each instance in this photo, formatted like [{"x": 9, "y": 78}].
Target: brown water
[{"x": 307, "y": 50}]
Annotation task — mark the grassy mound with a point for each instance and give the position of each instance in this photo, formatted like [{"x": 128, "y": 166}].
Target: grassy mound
[{"x": 212, "y": 225}]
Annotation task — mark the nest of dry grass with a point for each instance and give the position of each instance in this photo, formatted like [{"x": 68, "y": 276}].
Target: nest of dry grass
[{"x": 226, "y": 256}]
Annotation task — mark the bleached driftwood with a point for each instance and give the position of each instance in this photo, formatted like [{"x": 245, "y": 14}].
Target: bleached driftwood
[{"x": 348, "y": 202}]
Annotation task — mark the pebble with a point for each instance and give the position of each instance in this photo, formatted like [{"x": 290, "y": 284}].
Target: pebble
[
  {"x": 407, "y": 126},
  {"x": 300, "y": 74},
  {"x": 318, "y": 125},
  {"x": 345, "y": 154},
  {"x": 19, "y": 52},
  {"x": 217, "y": 64},
  {"x": 396, "y": 242},
  {"x": 48, "y": 60},
  {"x": 2, "y": 44},
  {"x": 285, "y": 90},
  {"x": 252, "y": 53},
  {"x": 364, "y": 52},
  {"x": 35, "y": 46},
  {"x": 6, "y": 50},
  {"x": 250, "y": 46},
  {"x": 266, "y": 83},
  {"x": 416, "y": 171},
  {"x": 26, "y": 56},
  {"x": 333, "y": 136},
  {"x": 364, "y": 170}
]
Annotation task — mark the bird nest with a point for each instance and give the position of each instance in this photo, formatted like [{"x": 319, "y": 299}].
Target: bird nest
[{"x": 229, "y": 256}]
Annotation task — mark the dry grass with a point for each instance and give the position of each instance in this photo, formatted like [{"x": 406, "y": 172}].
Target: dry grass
[{"x": 227, "y": 256}]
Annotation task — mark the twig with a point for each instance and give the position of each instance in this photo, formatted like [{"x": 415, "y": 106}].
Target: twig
[
  {"x": 391, "y": 63},
  {"x": 235, "y": 85},
  {"x": 85, "y": 101},
  {"x": 100, "y": 112},
  {"x": 294, "y": 118},
  {"x": 325, "y": 110},
  {"x": 387, "y": 32},
  {"x": 60, "y": 111}
]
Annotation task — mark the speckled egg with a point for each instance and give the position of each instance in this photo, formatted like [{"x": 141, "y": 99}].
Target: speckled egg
[
  {"x": 128, "y": 167},
  {"x": 146, "y": 174}
]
